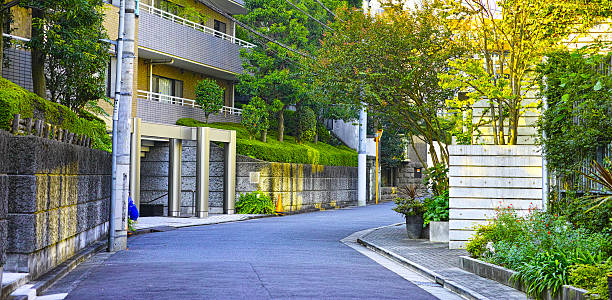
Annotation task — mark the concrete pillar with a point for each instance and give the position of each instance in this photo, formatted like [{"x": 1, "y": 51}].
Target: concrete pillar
[
  {"x": 136, "y": 149},
  {"x": 229, "y": 194},
  {"x": 174, "y": 178},
  {"x": 361, "y": 158},
  {"x": 202, "y": 171}
]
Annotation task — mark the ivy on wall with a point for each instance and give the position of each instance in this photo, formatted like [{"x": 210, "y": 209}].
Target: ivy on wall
[{"x": 577, "y": 123}]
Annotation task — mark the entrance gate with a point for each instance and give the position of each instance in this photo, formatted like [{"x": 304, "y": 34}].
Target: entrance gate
[{"x": 175, "y": 135}]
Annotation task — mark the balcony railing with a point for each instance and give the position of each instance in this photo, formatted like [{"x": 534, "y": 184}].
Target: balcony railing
[
  {"x": 174, "y": 18},
  {"x": 183, "y": 102}
]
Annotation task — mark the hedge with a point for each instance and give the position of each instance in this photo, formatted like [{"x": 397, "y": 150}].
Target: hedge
[
  {"x": 288, "y": 151},
  {"x": 16, "y": 100}
]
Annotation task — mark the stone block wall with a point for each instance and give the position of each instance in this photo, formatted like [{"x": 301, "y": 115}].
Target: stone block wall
[
  {"x": 3, "y": 202},
  {"x": 58, "y": 201},
  {"x": 154, "y": 177},
  {"x": 302, "y": 187}
]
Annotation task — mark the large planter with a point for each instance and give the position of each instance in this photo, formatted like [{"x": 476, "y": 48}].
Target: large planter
[
  {"x": 438, "y": 232},
  {"x": 609, "y": 285},
  {"x": 414, "y": 226}
]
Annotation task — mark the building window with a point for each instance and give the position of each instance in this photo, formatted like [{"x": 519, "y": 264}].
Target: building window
[
  {"x": 219, "y": 26},
  {"x": 167, "y": 87}
]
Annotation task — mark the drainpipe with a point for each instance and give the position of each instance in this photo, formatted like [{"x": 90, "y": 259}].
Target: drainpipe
[
  {"x": 361, "y": 156},
  {"x": 119, "y": 55}
]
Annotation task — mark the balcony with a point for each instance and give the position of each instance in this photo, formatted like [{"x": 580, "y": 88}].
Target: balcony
[
  {"x": 159, "y": 108},
  {"x": 164, "y": 35}
]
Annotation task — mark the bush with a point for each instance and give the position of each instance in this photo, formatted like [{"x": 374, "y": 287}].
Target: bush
[
  {"x": 306, "y": 123},
  {"x": 288, "y": 151},
  {"x": 16, "y": 100},
  {"x": 541, "y": 247},
  {"x": 436, "y": 208},
  {"x": 592, "y": 278},
  {"x": 255, "y": 117},
  {"x": 209, "y": 95},
  {"x": 409, "y": 207},
  {"x": 323, "y": 134},
  {"x": 255, "y": 203}
]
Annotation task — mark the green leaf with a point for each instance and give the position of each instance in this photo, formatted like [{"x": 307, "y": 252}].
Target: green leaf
[
  {"x": 565, "y": 97},
  {"x": 598, "y": 86}
]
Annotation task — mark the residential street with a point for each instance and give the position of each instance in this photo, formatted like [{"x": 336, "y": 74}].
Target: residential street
[{"x": 298, "y": 256}]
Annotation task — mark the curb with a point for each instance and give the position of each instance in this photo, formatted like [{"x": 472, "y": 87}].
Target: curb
[
  {"x": 45, "y": 281},
  {"x": 445, "y": 282}
]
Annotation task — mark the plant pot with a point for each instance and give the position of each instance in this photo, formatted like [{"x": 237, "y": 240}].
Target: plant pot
[
  {"x": 438, "y": 232},
  {"x": 414, "y": 226},
  {"x": 425, "y": 232}
]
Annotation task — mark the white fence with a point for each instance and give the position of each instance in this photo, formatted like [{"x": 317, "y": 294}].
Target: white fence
[
  {"x": 183, "y": 102},
  {"x": 485, "y": 177}
]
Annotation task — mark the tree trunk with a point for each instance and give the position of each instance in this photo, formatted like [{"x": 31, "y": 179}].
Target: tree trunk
[
  {"x": 38, "y": 60},
  {"x": 316, "y": 136},
  {"x": 281, "y": 125},
  {"x": 264, "y": 135}
]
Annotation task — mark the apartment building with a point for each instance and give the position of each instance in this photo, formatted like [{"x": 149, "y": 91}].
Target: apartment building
[{"x": 179, "y": 42}]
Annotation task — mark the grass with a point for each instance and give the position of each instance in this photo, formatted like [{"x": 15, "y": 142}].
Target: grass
[
  {"x": 288, "y": 151},
  {"x": 16, "y": 100}
]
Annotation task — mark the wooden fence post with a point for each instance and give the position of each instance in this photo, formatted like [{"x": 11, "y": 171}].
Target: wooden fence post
[{"x": 16, "y": 123}]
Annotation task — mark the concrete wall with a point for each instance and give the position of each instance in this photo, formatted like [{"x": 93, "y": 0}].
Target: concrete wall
[
  {"x": 3, "y": 201},
  {"x": 302, "y": 187},
  {"x": 485, "y": 177},
  {"x": 58, "y": 198}
]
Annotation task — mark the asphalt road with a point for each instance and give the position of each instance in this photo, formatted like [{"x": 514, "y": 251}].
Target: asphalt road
[{"x": 290, "y": 257}]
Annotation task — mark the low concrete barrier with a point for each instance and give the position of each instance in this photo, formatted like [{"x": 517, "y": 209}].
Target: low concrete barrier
[{"x": 504, "y": 276}]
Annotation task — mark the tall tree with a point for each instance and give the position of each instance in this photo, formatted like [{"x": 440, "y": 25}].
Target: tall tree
[
  {"x": 391, "y": 63},
  {"x": 506, "y": 39},
  {"x": 271, "y": 71}
]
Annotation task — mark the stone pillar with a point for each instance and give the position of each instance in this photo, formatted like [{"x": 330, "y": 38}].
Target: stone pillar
[
  {"x": 202, "y": 171},
  {"x": 174, "y": 177},
  {"x": 229, "y": 193},
  {"x": 3, "y": 221}
]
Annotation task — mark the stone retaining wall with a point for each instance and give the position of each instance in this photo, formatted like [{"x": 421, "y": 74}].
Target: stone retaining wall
[
  {"x": 58, "y": 200},
  {"x": 302, "y": 187}
]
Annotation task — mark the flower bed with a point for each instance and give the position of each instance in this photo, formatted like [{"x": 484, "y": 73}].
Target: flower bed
[{"x": 545, "y": 251}]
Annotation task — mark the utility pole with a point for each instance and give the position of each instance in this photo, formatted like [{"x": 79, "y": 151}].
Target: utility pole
[
  {"x": 122, "y": 128},
  {"x": 361, "y": 157}
]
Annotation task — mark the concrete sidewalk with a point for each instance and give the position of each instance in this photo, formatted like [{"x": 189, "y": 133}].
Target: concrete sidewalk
[{"x": 436, "y": 261}]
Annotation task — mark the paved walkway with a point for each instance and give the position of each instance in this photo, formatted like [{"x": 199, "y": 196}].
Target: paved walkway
[{"x": 436, "y": 258}]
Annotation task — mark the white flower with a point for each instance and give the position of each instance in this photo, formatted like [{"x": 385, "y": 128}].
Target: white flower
[{"x": 490, "y": 247}]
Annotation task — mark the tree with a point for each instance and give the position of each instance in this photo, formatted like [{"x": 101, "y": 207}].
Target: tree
[
  {"x": 209, "y": 95},
  {"x": 255, "y": 117},
  {"x": 391, "y": 63},
  {"x": 505, "y": 41},
  {"x": 306, "y": 124},
  {"x": 271, "y": 71}
]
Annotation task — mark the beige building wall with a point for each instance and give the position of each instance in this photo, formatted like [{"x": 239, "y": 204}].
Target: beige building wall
[{"x": 22, "y": 22}]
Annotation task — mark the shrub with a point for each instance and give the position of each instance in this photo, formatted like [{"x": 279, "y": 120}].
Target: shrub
[
  {"x": 540, "y": 247},
  {"x": 306, "y": 123},
  {"x": 16, "y": 100},
  {"x": 436, "y": 208},
  {"x": 409, "y": 207},
  {"x": 209, "y": 95},
  {"x": 592, "y": 278},
  {"x": 255, "y": 117},
  {"x": 255, "y": 203}
]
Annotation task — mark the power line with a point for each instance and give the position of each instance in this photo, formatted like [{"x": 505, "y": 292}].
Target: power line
[
  {"x": 310, "y": 16},
  {"x": 327, "y": 9},
  {"x": 253, "y": 31}
]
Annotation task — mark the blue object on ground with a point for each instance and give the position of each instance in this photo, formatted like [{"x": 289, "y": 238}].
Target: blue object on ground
[{"x": 132, "y": 209}]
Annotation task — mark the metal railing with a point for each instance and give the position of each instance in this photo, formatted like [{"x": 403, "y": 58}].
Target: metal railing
[
  {"x": 180, "y": 20},
  {"x": 183, "y": 102}
]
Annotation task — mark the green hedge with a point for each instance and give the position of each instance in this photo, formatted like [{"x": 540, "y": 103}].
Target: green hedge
[
  {"x": 16, "y": 100},
  {"x": 288, "y": 151}
]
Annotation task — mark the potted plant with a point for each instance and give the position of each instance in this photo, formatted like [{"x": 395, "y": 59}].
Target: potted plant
[
  {"x": 436, "y": 216},
  {"x": 413, "y": 210}
]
